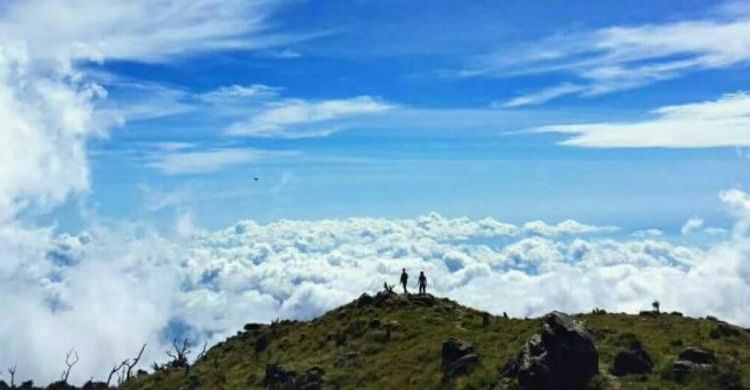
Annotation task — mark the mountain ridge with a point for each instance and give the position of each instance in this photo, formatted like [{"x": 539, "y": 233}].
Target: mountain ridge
[{"x": 389, "y": 340}]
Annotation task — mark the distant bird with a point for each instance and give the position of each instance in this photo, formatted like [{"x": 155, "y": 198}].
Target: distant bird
[{"x": 255, "y": 179}]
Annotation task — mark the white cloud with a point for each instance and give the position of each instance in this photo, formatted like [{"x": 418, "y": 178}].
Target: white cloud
[
  {"x": 46, "y": 119},
  {"x": 206, "y": 161},
  {"x": 625, "y": 57},
  {"x": 691, "y": 225},
  {"x": 242, "y": 93},
  {"x": 722, "y": 122},
  {"x": 137, "y": 30},
  {"x": 296, "y": 118},
  {"x": 565, "y": 227},
  {"x": 542, "y": 96},
  {"x": 647, "y": 233}
]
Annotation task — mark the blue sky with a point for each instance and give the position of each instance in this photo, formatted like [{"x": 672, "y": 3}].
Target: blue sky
[{"x": 445, "y": 131}]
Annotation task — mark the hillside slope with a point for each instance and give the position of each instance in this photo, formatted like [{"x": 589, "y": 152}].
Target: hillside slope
[{"x": 396, "y": 341}]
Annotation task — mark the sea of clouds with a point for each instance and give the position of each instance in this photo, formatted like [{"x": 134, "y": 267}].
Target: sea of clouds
[{"x": 106, "y": 291}]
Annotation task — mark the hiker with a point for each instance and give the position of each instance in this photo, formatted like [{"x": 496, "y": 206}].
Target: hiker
[
  {"x": 404, "y": 279},
  {"x": 422, "y": 283}
]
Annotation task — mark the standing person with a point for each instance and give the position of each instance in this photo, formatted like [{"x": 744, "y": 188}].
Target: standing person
[
  {"x": 422, "y": 283},
  {"x": 404, "y": 279}
]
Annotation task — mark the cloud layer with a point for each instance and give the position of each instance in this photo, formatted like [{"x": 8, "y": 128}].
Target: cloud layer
[{"x": 109, "y": 289}]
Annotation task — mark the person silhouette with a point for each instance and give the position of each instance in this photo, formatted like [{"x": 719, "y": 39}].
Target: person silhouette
[
  {"x": 422, "y": 283},
  {"x": 404, "y": 279}
]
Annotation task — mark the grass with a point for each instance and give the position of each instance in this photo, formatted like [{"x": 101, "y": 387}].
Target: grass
[{"x": 352, "y": 345}]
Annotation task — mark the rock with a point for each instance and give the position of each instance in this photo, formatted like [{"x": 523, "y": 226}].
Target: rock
[
  {"x": 633, "y": 361},
  {"x": 94, "y": 386},
  {"x": 458, "y": 357},
  {"x": 561, "y": 356},
  {"x": 648, "y": 313},
  {"x": 712, "y": 318},
  {"x": 251, "y": 327},
  {"x": 348, "y": 359},
  {"x": 27, "y": 385},
  {"x": 723, "y": 329},
  {"x": 382, "y": 298},
  {"x": 682, "y": 368},
  {"x": 278, "y": 376},
  {"x": 697, "y": 355},
  {"x": 365, "y": 300},
  {"x": 310, "y": 380},
  {"x": 691, "y": 359},
  {"x": 676, "y": 313}
]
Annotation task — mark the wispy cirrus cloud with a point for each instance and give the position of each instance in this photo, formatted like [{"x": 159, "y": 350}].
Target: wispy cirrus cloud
[
  {"x": 199, "y": 161},
  {"x": 721, "y": 122},
  {"x": 298, "y": 118},
  {"x": 232, "y": 94},
  {"x": 622, "y": 57},
  {"x": 142, "y": 30}
]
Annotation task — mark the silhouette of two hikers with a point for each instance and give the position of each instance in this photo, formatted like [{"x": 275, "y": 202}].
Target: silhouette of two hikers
[{"x": 422, "y": 281}]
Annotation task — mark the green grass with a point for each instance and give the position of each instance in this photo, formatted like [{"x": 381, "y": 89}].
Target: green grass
[{"x": 411, "y": 357}]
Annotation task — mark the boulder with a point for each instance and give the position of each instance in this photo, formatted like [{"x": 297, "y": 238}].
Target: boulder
[
  {"x": 287, "y": 379},
  {"x": 635, "y": 360},
  {"x": 458, "y": 358},
  {"x": 562, "y": 356},
  {"x": 277, "y": 375},
  {"x": 682, "y": 368},
  {"x": 365, "y": 300},
  {"x": 697, "y": 356},
  {"x": 382, "y": 298},
  {"x": 252, "y": 327},
  {"x": 692, "y": 359},
  {"x": 723, "y": 329}
]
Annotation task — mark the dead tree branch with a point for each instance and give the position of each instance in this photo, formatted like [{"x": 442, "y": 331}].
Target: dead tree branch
[
  {"x": 203, "y": 352},
  {"x": 69, "y": 364},
  {"x": 134, "y": 362},
  {"x": 12, "y": 372},
  {"x": 115, "y": 369}
]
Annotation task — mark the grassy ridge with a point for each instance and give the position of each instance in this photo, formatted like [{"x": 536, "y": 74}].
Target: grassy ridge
[{"x": 398, "y": 345}]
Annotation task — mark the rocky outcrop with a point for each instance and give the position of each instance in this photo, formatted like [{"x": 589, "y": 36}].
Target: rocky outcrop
[
  {"x": 458, "y": 358},
  {"x": 698, "y": 356},
  {"x": 692, "y": 359},
  {"x": 635, "y": 360},
  {"x": 724, "y": 329},
  {"x": 562, "y": 356},
  {"x": 280, "y": 377}
]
